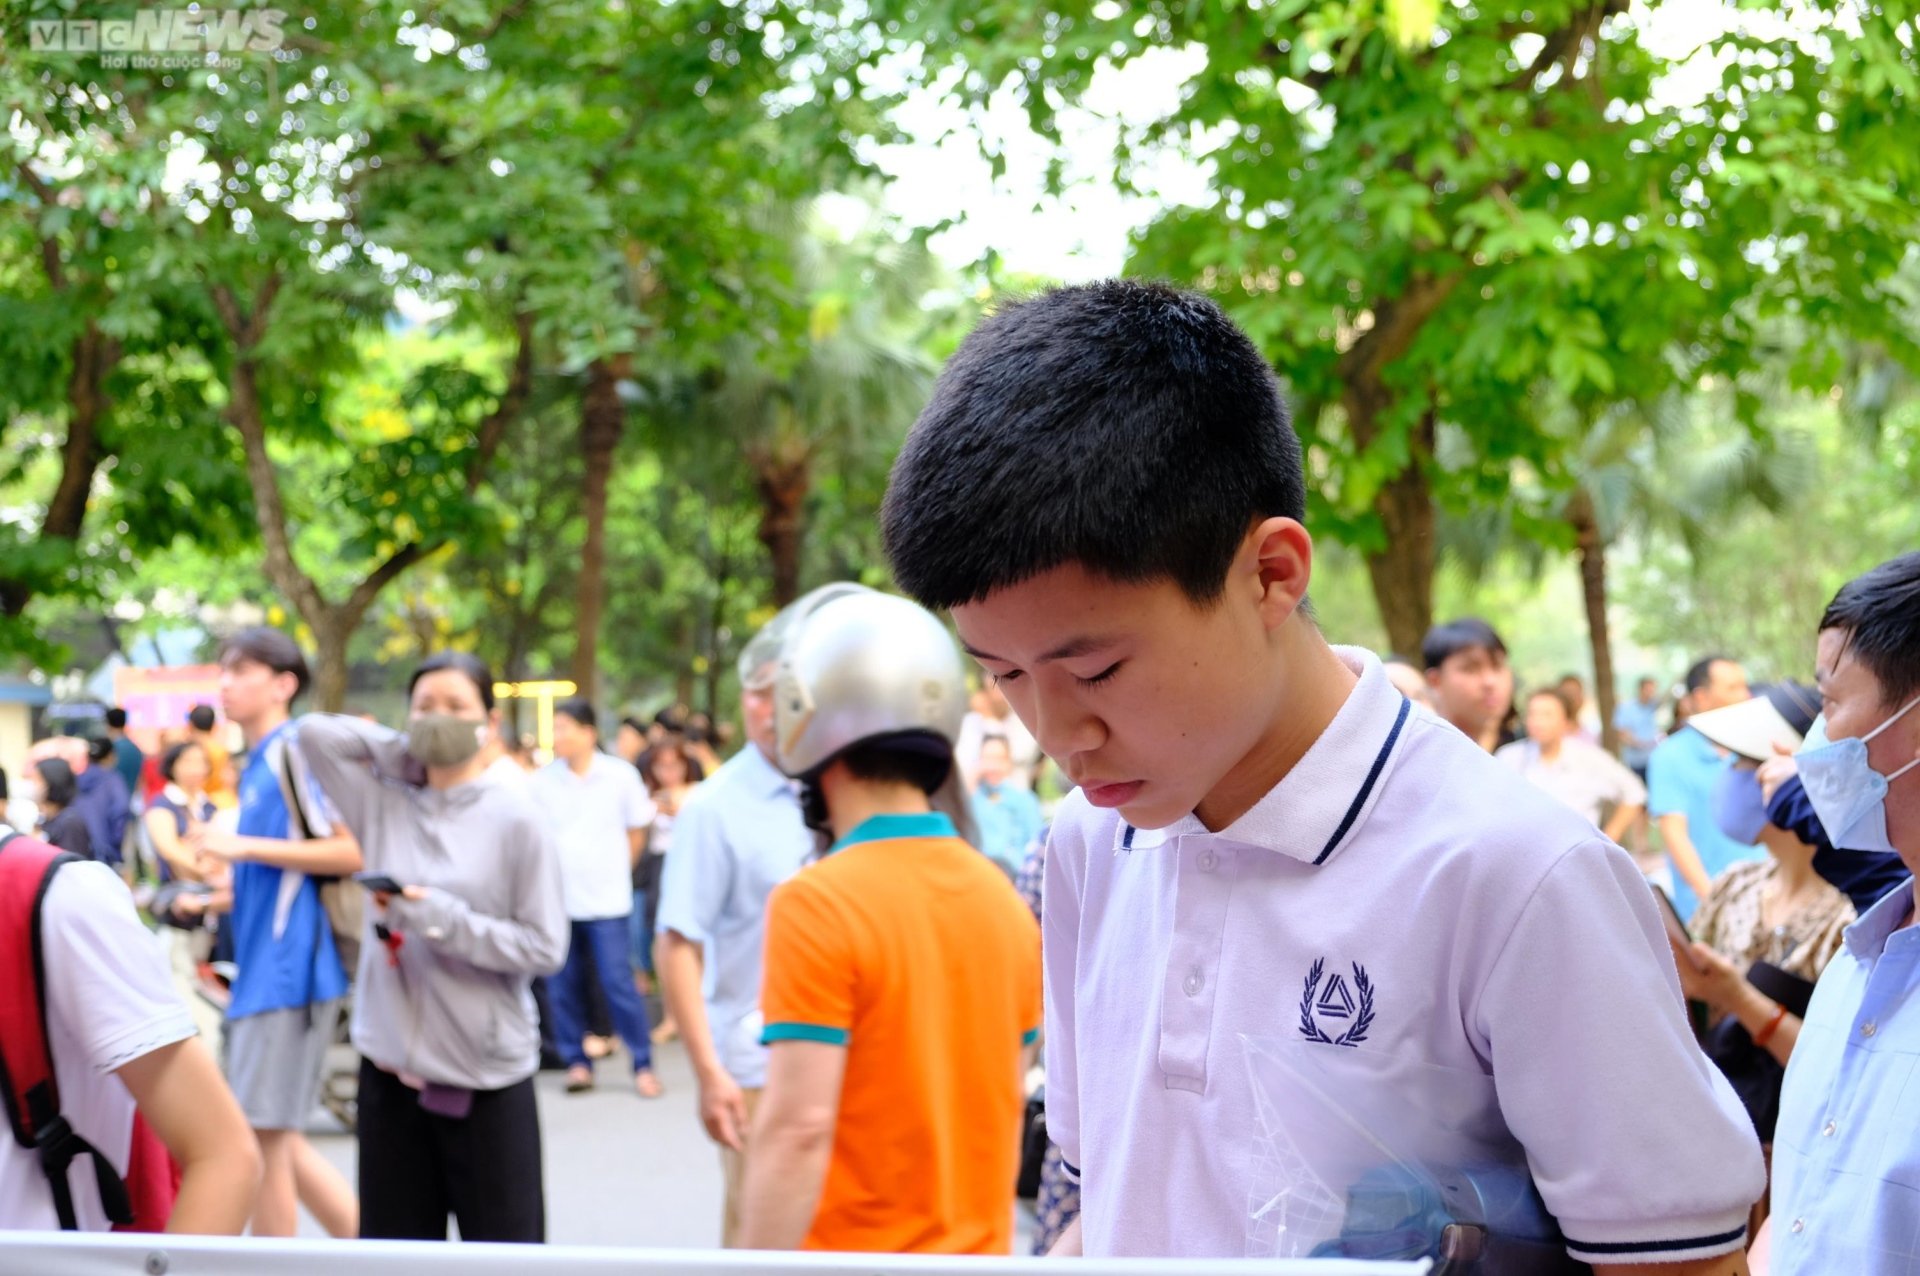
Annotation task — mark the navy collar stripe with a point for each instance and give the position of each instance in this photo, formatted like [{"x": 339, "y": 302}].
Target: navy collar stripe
[
  {"x": 1366, "y": 789},
  {"x": 1654, "y": 1247}
]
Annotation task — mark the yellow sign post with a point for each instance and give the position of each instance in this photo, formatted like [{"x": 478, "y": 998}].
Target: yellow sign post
[{"x": 543, "y": 694}]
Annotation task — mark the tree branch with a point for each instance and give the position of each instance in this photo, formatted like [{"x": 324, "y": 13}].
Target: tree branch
[
  {"x": 380, "y": 577},
  {"x": 513, "y": 402},
  {"x": 49, "y": 247}
]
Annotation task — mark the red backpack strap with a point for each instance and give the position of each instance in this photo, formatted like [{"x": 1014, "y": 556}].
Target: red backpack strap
[{"x": 27, "y": 1077}]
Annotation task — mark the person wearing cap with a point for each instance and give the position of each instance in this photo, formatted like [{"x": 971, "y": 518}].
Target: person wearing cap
[
  {"x": 903, "y": 968},
  {"x": 1681, "y": 776},
  {"x": 1846, "y": 1169},
  {"x": 738, "y": 836},
  {"x": 1579, "y": 774},
  {"x": 1768, "y": 927}
]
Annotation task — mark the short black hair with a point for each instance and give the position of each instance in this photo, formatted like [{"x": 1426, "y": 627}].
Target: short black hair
[
  {"x": 57, "y": 777},
  {"x": 116, "y": 719},
  {"x": 1469, "y": 633},
  {"x": 1556, "y": 695},
  {"x": 580, "y": 709},
  {"x": 170, "y": 760},
  {"x": 200, "y": 717},
  {"x": 3, "y": 784},
  {"x": 461, "y": 662},
  {"x": 999, "y": 738},
  {"x": 915, "y": 758},
  {"x": 99, "y": 748},
  {"x": 673, "y": 718},
  {"x": 1125, "y": 426},
  {"x": 265, "y": 645},
  {"x": 1879, "y": 612},
  {"x": 1700, "y": 672}
]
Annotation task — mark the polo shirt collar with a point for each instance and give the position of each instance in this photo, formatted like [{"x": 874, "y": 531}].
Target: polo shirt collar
[
  {"x": 887, "y": 828},
  {"x": 1319, "y": 806},
  {"x": 1867, "y": 938}
]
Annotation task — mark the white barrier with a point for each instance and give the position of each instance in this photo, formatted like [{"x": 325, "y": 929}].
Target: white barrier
[{"x": 68, "y": 1254}]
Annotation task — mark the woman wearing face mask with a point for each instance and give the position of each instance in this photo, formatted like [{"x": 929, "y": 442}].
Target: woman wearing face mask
[
  {"x": 444, "y": 1016},
  {"x": 54, "y": 789},
  {"x": 1768, "y": 927}
]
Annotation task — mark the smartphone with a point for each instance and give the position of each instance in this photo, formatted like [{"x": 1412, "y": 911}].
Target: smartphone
[
  {"x": 1676, "y": 929},
  {"x": 379, "y": 882}
]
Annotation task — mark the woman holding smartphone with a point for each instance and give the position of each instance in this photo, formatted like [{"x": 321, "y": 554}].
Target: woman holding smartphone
[{"x": 443, "y": 1014}]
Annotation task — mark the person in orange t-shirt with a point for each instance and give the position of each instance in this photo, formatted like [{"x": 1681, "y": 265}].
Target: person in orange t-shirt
[{"x": 902, "y": 968}]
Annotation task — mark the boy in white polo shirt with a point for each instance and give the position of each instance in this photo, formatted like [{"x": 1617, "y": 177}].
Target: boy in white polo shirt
[{"x": 1106, "y": 491}]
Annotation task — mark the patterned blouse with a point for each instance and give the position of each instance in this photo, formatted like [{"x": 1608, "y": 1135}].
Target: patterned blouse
[{"x": 1730, "y": 922}]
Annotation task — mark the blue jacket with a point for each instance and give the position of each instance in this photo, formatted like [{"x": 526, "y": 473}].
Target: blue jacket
[{"x": 105, "y": 803}]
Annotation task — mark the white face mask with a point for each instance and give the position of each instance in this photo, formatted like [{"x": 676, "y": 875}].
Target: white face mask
[{"x": 1848, "y": 795}]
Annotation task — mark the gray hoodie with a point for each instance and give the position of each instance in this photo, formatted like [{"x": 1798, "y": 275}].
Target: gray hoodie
[{"x": 458, "y": 1007}]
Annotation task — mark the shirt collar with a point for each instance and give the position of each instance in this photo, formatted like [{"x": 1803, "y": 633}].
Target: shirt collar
[
  {"x": 1867, "y": 938},
  {"x": 1320, "y": 804},
  {"x": 885, "y": 828},
  {"x": 767, "y": 778}
]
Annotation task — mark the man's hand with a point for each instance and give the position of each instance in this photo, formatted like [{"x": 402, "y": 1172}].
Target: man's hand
[{"x": 723, "y": 1110}]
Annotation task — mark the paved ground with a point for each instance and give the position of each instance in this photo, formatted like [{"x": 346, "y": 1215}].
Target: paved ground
[{"x": 620, "y": 1170}]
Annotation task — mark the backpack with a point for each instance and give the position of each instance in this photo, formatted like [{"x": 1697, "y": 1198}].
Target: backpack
[
  {"x": 341, "y": 899},
  {"x": 143, "y": 1201}
]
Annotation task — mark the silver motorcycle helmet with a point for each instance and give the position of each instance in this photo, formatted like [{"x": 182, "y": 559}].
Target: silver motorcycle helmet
[
  {"x": 861, "y": 665},
  {"x": 761, "y": 655}
]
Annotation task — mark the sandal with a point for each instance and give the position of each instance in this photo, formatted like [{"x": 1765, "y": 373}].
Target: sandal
[
  {"x": 579, "y": 1080},
  {"x": 647, "y": 1085}
]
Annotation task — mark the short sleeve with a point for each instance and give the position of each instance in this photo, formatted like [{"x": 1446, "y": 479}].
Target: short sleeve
[
  {"x": 1658, "y": 1162},
  {"x": 699, "y": 873},
  {"x": 1666, "y": 785},
  {"x": 1627, "y": 790},
  {"x": 108, "y": 982},
  {"x": 811, "y": 968}
]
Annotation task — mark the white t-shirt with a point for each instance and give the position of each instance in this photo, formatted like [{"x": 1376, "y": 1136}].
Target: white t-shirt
[
  {"x": 591, "y": 815},
  {"x": 110, "y": 1000}
]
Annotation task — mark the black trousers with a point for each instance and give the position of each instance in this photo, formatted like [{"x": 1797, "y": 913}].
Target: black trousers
[{"x": 417, "y": 1168}]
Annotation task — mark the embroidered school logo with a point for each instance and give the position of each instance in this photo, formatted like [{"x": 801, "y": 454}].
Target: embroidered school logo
[{"x": 1335, "y": 1001}]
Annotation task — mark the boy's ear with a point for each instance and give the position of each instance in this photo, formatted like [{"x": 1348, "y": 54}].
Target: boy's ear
[{"x": 1283, "y": 555}]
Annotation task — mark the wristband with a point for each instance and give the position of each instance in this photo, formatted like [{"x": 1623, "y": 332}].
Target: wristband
[{"x": 1765, "y": 1034}]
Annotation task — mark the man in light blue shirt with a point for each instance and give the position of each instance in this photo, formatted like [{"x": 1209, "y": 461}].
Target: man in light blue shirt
[
  {"x": 1007, "y": 812},
  {"x": 1638, "y": 727},
  {"x": 1846, "y": 1156},
  {"x": 1680, "y": 780},
  {"x": 739, "y": 836}
]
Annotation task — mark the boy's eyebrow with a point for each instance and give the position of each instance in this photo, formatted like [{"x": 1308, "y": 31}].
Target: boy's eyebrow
[{"x": 1085, "y": 645}]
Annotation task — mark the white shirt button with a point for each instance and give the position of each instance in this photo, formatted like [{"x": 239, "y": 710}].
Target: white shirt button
[
  {"x": 1827, "y": 1132},
  {"x": 1208, "y": 861},
  {"x": 1799, "y": 1226},
  {"x": 1195, "y": 982},
  {"x": 1867, "y": 1029}
]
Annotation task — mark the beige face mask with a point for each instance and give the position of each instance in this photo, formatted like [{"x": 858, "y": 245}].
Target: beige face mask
[{"x": 444, "y": 740}]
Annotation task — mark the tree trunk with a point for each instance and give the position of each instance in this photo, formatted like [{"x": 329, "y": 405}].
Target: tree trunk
[
  {"x": 782, "y": 477},
  {"x": 331, "y": 669},
  {"x": 602, "y": 422},
  {"x": 1593, "y": 585},
  {"x": 94, "y": 357},
  {"x": 1402, "y": 570}
]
